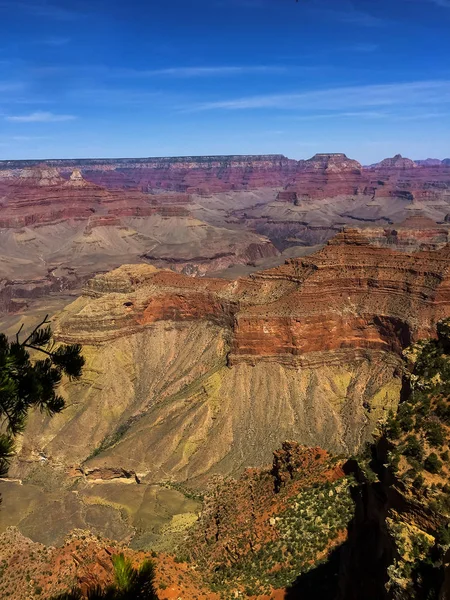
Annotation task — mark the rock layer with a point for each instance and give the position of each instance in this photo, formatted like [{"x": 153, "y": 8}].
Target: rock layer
[
  {"x": 197, "y": 214},
  {"x": 203, "y": 368}
]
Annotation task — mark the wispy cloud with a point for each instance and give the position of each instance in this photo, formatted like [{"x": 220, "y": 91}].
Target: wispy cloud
[
  {"x": 211, "y": 71},
  {"x": 28, "y": 138},
  {"x": 351, "y": 16},
  {"x": 343, "y": 98},
  {"x": 40, "y": 8},
  {"x": 108, "y": 72},
  {"x": 11, "y": 86},
  {"x": 40, "y": 117},
  {"x": 56, "y": 41},
  {"x": 359, "y": 18},
  {"x": 345, "y": 115},
  {"x": 443, "y": 3},
  {"x": 121, "y": 97},
  {"x": 420, "y": 116},
  {"x": 365, "y": 47}
]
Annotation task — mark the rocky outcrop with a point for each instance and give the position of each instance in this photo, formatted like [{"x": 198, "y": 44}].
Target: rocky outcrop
[
  {"x": 254, "y": 531},
  {"x": 322, "y": 176},
  {"x": 369, "y": 296},
  {"x": 50, "y": 223},
  {"x": 36, "y": 196},
  {"x": 338, "y": 301},
  {"x": 403, "y": 178},
  {"x": 203, "y": 175},
  {"x": 317, "y": 341},
  {"x": 83, "y": 561},
  {"x": 397, "y": 162},
  {"x": 326, "y": 176},
  {"x": 429, "y": 162},
  {"x": 413, "y": 234},
  {"x": 15, "y": 294},
  {"x": 204, "y": 204}
]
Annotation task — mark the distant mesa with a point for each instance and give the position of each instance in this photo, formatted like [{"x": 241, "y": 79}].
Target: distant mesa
[
  {"x": 429, "y": 162},
  {"x": 418, "y": 222},
  {"x": 200, "y": 214},
  {"x": 40, "y": 176},
  {"x": 77, "y": 180},
  {"x": 333, "y": 161},
  {"x": 397, "y": 162}
]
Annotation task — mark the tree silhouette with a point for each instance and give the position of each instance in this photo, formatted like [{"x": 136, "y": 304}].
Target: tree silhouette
[{"x": 28, "y": 382}]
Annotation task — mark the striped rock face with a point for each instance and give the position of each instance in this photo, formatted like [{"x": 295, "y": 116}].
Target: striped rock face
[{"x": 187, "y": 377}]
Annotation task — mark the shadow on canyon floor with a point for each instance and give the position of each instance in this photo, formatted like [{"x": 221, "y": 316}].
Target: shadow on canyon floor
[
  {"x": 358, "y": 569},
  {"x": 321, "y": 583}
]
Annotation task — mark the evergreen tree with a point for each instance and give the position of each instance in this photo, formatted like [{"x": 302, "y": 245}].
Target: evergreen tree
[
  {"x": 129, "y": 584},
  {"x": 28, "y": 382}
]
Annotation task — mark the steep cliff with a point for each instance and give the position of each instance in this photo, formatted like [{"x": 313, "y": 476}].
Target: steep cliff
[
  {"x": 51, "y": 227},
  {"x": 203, "y": 368},
  {"x": 193, "y": 214}
]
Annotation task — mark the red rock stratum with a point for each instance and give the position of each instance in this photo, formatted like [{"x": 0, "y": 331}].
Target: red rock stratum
[{"x": 187, "y": 377}]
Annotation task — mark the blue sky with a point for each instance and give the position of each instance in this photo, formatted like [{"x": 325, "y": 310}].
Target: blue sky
[{"x": 113, "y": 78}]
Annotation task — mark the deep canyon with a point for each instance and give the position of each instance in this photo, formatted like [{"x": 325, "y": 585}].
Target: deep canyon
[{"x": 234, "y": 311}]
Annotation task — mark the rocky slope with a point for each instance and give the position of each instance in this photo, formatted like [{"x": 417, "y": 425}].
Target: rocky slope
[
  {"x": 56, "y": 232},
  {"x": 34, "y": 571},
  {"x": 202, "y": 174},
  {"x": 313, "y": 346},
  {"x": 329, "y": 191},
  {"x": 260, "y": 532},
  {"x": 192, "y": 214}
]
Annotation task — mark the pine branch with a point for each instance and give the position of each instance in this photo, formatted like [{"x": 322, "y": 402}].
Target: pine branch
[
  {"x": 38, "y": 349},
  {"x": 18, "y": 333},
  {"x": 44, "y": 322}
]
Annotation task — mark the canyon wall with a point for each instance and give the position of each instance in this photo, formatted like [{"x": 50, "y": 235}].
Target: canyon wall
[
  {"x": 186, "y": 377},
  {"x": 199, "y": 214}
]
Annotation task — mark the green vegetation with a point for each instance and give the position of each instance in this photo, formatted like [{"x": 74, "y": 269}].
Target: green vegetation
[
  {"x": 112, "y": 439},
  {"x": 413, "y": 448},
  {"x": 418, "y": 438},
  {"x": 409, "y": 575},
  {"x": 419, "y": 432},
  {"x": 130, "y": 583},
  {"x": 27, "y": 383},
  {"x": 432, "y": 463},
  {"x": 305, "y": 532}
]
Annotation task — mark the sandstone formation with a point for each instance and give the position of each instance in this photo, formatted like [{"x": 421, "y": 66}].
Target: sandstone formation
[
  {"x": 429, "y": 162},
  {"x": 51, "y": 226},
  {"x": 33, "y": 571},
  {"x": 203, "y": 368},
  {"x": 192, "y": 214},
  {"x": 397, "y": 162},
  {"x": 204, "y": 174},
  {"x": 191, "y": 379},
  {"x": 414, "y": 233},
  {"x": 329, "y": 191}
]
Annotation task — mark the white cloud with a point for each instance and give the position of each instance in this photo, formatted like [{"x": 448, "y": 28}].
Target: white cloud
[
  {"x": 344, "y": 98},
  {"x": 365, "y": 47},
  {"x": 11, "y": 86},
  {"x": 40, "y": 8},
  {"x": 56, "y": 41},
  {"x": 345, "y": 115},
  {"x": 199, "y": 71},
  {"x": 29, "y": 138},
  {"x": 443, "y": 3},
  {"x": 40, "y": 117},
  {"x": 354, "y": 17}
]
